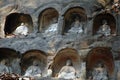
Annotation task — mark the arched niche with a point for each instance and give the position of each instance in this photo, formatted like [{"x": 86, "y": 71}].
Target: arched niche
[
  {"x": 100, "y": 54},
  {"x": 33, "y": 55},
  {"x": 70, "y": 15},
  {"x": 8, "y": 53},
  {"x": 97, "y": 22},
  {"x": 14, "y": 20},
  {"x": 10, "y": 58},
  {"x": 46, "y": 18},
  {"x": 61, "y": 57}
]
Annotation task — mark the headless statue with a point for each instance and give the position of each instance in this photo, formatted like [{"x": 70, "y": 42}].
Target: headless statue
[
  {"x": 4, "y": 66},
  {"x": 52, "y": 28},
  {"x": 104, "y": 29},
  {"x": 21, "y": 30},
  {"x": 33, "y": 70},
  {"x": 76, "y": 27},
  {"x": 67, "y": 71},
  {"x": 99, "y": 73}
]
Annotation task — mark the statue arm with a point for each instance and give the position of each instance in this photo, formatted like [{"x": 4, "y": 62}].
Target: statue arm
[
  {"x": 73, "y": 69},
  {"x": 62, "y": 69}
]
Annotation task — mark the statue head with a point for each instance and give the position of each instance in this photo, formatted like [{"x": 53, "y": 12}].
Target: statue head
[
  {"x": 104, "y": 21},
  {"x": 77, "y": 18},
  {"x": 22, "y": 24},
  {"x": 35, "y": 63},
  {"x": 100, "y": 65},
  {"x": 68, "y": 62},
  {"x": 54, "y": 20}
]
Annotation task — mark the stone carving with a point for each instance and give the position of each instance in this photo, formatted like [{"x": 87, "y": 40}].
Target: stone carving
[
  {"x": 52, "y": 28},
  {"x": 34, "y": 70},
  {"x": 5, "y": 67},
  {"x": 67, "y": 71},
  {"x": 21, "y": 30},
  {"x": 15, "y": 65},
  {"x": 49, "y": 73},
  {"x": 104, "y": 30},
  {"x": 76, "y": 27},
  {"x": 100, "y": 72},
  {"x": 116, "y": 6}
]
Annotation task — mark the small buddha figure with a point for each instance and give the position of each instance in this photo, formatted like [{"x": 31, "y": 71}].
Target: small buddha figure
[
  {"x": 21, "y": 30},
  {"x": 76, "y": 27},
  {"x": 67, "y": 71},
  {"x": 104, "y": 30},
  {"x": 100, "y": 72},
  {"x": 52, "y": 28},
  {"x": 5, "y": 67},
  {"x": 34, "y": 70}
]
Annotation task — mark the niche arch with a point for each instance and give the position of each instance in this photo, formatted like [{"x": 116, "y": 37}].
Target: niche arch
[
  {"x": 102, "y": 54},
  {"x": 97, "y": 22},
  {"x": 8, "y": 53},
  {"x": 46, "y": 17},
  {"x": 29, "y": 56},
  {"x": 13, "y": 20},
  {"x": 61, "y": 58},
  {"x": 11, "y": 58},
  {"x": 69, "y": 17}
]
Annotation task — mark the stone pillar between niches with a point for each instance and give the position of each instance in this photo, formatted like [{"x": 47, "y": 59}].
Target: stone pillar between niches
[
  {"x": 116, "y": 70},
  {"x": 35, "y": 24},
  {"x": 89, "y": 27},
  {"x": 2, "y": 34},
  {"x": 44, "y": 73},
  {"x": 60, "y": 24},
  {"x": 117, "y": 17}
]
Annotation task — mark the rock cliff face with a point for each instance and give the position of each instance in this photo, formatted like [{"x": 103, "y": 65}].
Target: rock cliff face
[
  {"x": 49, "y": 24},
  {"x": 38, "y": 16}
]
